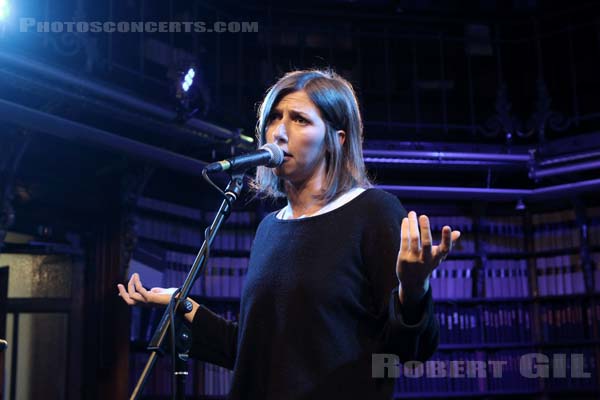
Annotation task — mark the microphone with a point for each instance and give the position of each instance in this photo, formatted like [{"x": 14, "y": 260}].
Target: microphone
[{"x": 269, "y": 155}]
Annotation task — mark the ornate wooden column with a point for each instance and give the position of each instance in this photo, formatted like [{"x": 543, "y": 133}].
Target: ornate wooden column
[
  {"x": 13, "y": 144},
  {"x": 108, "y": 318},
  {"x": 12, "y": 148}
]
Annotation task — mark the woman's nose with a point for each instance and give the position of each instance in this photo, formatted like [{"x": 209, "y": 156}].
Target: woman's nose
[{"x": 280, "y": 133}]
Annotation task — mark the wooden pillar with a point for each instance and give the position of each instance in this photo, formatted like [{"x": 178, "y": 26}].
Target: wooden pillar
[{"x": 107, "y": 319}]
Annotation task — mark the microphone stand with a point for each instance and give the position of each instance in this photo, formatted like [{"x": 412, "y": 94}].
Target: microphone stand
[{"x": 232, "y": 192}]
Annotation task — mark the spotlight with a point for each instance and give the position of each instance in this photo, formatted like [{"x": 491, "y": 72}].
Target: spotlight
[
  {"x": 188, "y": 80},
  {"x": 192, "y": 96},
  {"x": 4, "y": 9},
  {"x": 520, "y": 206}
]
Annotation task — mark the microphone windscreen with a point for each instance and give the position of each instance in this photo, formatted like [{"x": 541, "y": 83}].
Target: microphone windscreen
[{"x": 277, "y": 153}]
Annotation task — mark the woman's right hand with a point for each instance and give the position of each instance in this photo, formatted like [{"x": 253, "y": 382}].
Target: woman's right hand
[{"x": 135, "y": 293}]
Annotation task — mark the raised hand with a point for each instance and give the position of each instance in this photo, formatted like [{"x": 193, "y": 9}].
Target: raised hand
[
  {"x": 417, "y": 256},
  {"x": 136, "y": 293}
]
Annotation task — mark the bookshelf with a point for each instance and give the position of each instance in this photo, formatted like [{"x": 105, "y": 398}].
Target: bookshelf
[
  {"x": 514, "y": 285},
  {"x": 529, "y": 297}
]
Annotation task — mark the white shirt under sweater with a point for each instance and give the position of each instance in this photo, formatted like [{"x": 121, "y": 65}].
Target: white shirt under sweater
[{"x": 340, "y": 201}]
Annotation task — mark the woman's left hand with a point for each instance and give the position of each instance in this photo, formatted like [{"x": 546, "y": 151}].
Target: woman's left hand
[{"x": 418, "y": 257}]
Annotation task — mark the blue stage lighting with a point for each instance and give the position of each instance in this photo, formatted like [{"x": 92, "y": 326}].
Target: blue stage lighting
[
  {"x": 4, "y": 9},
  {"x": 188, "y": 80}
]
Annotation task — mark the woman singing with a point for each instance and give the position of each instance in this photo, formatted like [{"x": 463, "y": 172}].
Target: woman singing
[{"x": 339, "y": 274}]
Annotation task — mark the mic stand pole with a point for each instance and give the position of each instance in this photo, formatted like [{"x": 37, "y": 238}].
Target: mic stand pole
[{"x": 233, "y": 190}]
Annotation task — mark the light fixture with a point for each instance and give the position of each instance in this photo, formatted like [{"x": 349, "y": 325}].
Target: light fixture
[
  {"x": 4, "y": 10},
  {"x": 188, "y": 79},
  {"x": 192, "y": 96}
]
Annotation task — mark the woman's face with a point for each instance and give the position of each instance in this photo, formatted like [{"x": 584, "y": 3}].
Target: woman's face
[{"x": 295, "y": 125}]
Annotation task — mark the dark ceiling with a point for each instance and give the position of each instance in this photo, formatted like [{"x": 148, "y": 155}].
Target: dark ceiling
[{"x": 431, "y": 76}]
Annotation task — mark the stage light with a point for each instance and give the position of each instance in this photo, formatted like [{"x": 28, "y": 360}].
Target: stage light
[
  {"x": 188, "y": 80},
  {"x": 4, "y": 9},
  {"x": 193, "y": 98}
]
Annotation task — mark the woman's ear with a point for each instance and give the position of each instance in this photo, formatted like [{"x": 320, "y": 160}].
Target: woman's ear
[{"x": 341, "y": 137}]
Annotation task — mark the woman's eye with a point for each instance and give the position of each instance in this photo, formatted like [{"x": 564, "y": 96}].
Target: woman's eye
[{"x": 301, "y": 120}]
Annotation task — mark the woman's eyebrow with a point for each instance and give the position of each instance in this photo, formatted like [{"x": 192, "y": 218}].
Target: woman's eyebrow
[
  {"x": 292, "y": 111},
  {"x": 299, "y": 113}
]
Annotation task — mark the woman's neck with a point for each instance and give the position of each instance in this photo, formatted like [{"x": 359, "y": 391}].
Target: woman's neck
[
  {"x": 287, "y": 213},
  {"x": 304, "y": 199}
]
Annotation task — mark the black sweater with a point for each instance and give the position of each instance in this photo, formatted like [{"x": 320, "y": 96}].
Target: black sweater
[{"x": 321, "y": 296}]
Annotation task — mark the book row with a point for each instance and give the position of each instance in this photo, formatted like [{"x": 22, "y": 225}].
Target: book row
[
  {"x": 559, "y": 275},
  {"x": 240, "y": 218},
  {"x": 506, "y": 278},
  {"x": 509, "y": 323},
  {"x": 499, "y": 371},
  {"x": 203, "y": 379},
  {"x": 466, "y": 244},
  {"x": 569, "y": 320},
  {"x": 488, "y": 324},
  {"x": 496, "y": 237},
  {"x": 453, "y": 279},
  {"x": 555, "y": 230},
  {"x": 512, "y": 323},
  {"x": 178, "y": 233},
  {"x": 502, "y": 235},
  {"x": 224, "y": 276}
]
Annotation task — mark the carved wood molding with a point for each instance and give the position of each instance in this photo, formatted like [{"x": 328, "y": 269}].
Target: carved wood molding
[{"x": 11, "y": 153}]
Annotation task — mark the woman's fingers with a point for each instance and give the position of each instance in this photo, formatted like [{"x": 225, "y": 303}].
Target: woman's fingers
[
  {"x": 124, "y": 295},
  {"x": 140, "y": 288},
  {"x": 133, "y": 288},
  {"x": 404, "y": 235},
  {"x": 130, "y": 284},
  {"x": 446, "y": 243},
  {"x": 135, "y": 292},
  {"x": 425, "y": 236},
  {"x": 416, "y": 238},
  {"x": 416, "y": 234},
  {"x": 455, "y": 236},
  {"x": 449, "y": 237},
  {"x": 413, "y": 226}
]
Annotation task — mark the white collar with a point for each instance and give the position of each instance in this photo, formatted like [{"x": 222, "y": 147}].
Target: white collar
[{"x": 338, "y": 202}]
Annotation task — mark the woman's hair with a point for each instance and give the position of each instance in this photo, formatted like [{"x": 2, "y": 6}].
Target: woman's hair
[{"x": 336, "y": 101}]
